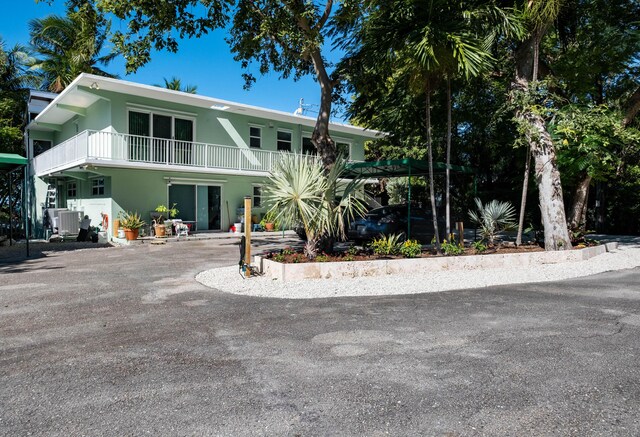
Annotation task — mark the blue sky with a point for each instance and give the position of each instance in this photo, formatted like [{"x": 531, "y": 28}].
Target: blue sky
[{"x": 205, "y": 62}]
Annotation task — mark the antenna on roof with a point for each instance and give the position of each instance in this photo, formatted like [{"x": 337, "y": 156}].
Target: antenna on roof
[
  {"x": 300, "y": 110},
  {"x": 304, "y": 108}
]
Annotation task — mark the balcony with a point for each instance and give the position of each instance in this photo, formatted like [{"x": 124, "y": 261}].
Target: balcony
[{"x": 132, "y": 151}]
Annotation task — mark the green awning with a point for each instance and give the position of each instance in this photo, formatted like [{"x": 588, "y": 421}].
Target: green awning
[
  {"x": 401, "y": 167},
  {"x": 9, "y": 161}
]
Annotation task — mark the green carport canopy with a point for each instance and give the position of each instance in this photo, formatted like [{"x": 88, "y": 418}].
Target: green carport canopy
[
  {"x": 402, "y": 167},
  {"x": 9, "y": 163}
]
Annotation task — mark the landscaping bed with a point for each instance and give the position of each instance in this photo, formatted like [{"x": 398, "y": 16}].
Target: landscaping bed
[
  {"x": 510, "y": 257},
  {"x": 289, "y": 255}
]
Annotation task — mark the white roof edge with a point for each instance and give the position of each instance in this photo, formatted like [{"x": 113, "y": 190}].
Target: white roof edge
[
  {"x": 64, "y": 92},
  {"x": 41, "y": 93},
  {"x": 210, "y": 101}
]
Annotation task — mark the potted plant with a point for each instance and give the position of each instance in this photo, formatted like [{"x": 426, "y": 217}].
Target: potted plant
[
  {"x": 165, "y": 211},
  {"x": 269, "y": 222},
  {"x": 131, "y": 222}
]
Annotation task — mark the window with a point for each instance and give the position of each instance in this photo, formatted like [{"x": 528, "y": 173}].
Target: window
[
  {"x": 97, "y": 187},
  {"x": 255, "y": 136},
  {"x": 257, "y": 196},
  {"x": 40, "y": 146},
  {"x": 72, "y": 189},
  {"x": 147, "y": 124},
  {"x": 307, "y": 146},
  {"x": 284, "y": 140},
  {"x": 162, "y": 127},
  {"x": 344, "y": 149}
]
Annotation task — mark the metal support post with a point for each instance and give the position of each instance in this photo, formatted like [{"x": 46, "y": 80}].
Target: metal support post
[{"x": 247, "y": 233}]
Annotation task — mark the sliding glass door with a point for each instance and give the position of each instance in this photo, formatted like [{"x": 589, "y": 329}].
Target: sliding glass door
[
  {"x": 201, "y": 204},
  {"x": 160, "y": 138}
]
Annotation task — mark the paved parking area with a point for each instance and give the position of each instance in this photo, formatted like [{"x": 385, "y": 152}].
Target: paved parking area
[{"x": 123, "y": 341}]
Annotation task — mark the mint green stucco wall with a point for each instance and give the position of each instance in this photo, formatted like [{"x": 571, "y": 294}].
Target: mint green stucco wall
[
  {"x": 144, "y": 190},
  {"x": 111, "y": 113}
]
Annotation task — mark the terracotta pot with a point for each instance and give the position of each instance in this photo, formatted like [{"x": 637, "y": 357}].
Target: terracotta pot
[
  {"x": 160, "y": 230},
  {"x": 269, "y": 227},
  {"x": 131, "y": 234}
]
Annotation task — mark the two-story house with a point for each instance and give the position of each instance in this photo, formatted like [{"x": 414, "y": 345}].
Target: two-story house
[{"x": 107, "y": 145}]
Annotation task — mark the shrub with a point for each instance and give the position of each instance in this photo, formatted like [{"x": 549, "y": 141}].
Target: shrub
[
  {"x": 451, "y": 248},
  {"x": 479, "y": 246},
  {"x": 386, "y": 245},
  {"x": 493, "y": 218},
  {"x": 411, "y": 249}
]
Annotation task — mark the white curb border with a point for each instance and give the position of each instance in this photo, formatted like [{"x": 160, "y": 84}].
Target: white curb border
[{"x": 354, "y": 269}]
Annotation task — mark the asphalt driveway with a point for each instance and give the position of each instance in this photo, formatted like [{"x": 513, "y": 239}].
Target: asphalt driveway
[{"x": 123, "y": 341}]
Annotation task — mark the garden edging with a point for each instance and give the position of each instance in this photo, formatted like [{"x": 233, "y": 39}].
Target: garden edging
[{"x": 353, "y": 269}]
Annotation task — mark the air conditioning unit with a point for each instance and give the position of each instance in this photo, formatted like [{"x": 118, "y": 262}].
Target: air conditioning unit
[{"x": 69, "y": 222}]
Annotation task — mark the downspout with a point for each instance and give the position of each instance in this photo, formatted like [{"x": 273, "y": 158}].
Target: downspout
[{"x": 25, "y": 206}]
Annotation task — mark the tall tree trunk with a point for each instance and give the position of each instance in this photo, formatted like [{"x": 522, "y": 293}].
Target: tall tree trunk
[
  {"x": 432, "y": 193},
  {"x": 527, "y": 165},
  {"x": 577, "y": 212},
  {"x": 320, "y": 138},
  {"x": 547, "y": 176},
  {"x": 523, "y": 199},
  {"x": 632, "y": 108},
  {"x": 448, "y": 171}
]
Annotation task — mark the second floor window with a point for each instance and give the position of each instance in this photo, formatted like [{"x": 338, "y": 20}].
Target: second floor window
[
  {"x": 344, "y": 149},
  {"x": 307, "y": 146},
  {"x": 284, "y": 140},
  {"x": 255, "y": 137},
  {"x": 40, "y": 146}
]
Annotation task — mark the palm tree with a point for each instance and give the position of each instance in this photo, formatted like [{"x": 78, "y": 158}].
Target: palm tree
[
  {"x": 15, "y": 68},
  {"x": 540, "y": 16},
  {"x": 176, "y": 84},
  {"x": 301, "y": 191},
  {"x": 426, "y": 44},
  {"x": 68, "y": 46}
]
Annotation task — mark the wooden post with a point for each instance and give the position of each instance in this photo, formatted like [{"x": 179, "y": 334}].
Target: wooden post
[
  {"x": 460, "y": 226},
  {"x": 247, "y": 234}
]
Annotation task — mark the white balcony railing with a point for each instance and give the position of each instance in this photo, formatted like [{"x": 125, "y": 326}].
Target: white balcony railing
[{"x": 132, "y": 149}]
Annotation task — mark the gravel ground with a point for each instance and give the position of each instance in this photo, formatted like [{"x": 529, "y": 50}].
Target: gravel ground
[{"x": 228, "y": 280}]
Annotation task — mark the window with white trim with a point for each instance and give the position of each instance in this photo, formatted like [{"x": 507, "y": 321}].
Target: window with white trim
[
  {"x": 307, "y": 146},
  {"x": 40, "y": 146},
  {"x": 72, "y": 189},
  {"x": 97, "y": 187},
  {"x": 284, "y": 140},
  {"x": 257, "y": 196},
  {"x": 255, "y": 137},
  {"x": 344, "y": 148}
]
